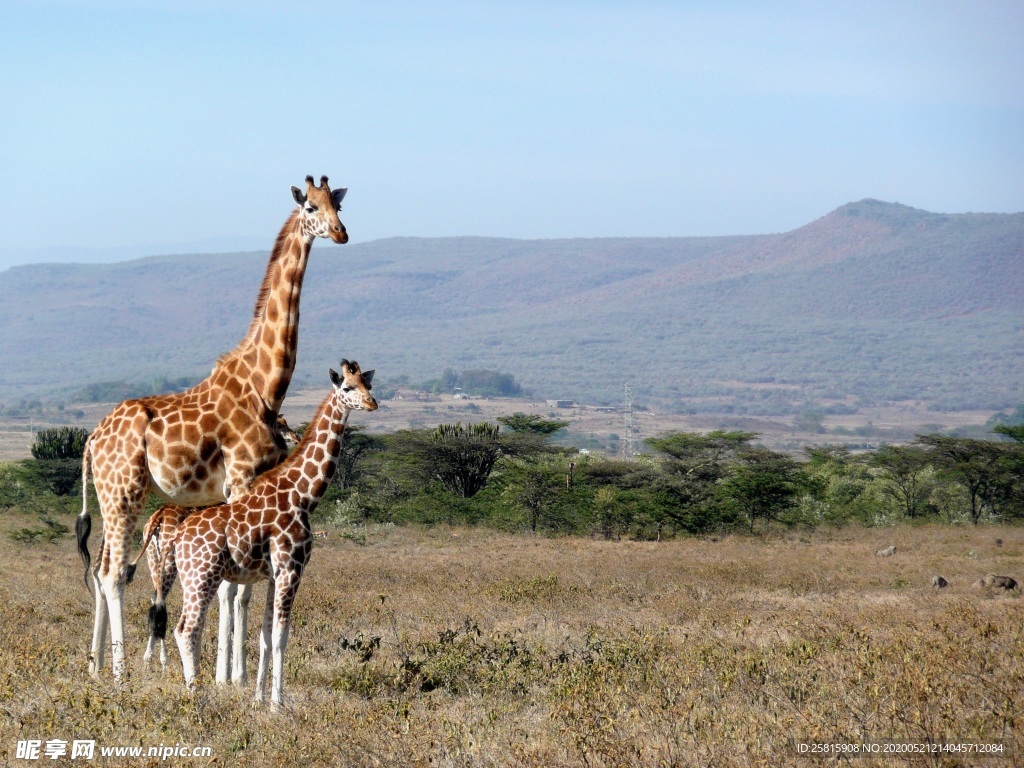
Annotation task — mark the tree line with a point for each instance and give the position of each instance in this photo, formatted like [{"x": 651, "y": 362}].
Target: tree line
[{"x": 508, "y": 475}]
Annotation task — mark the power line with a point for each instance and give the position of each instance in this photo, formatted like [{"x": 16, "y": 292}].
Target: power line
[{"x": 629, "y": 426}]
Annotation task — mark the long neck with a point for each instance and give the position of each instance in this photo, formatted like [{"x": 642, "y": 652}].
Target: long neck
[
  {"x": 312, "y": 464},
  {"x": 267, "y": 354}
]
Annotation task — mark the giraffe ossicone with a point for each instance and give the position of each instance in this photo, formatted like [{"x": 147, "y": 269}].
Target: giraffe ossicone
[
  {"x": 263, "y": 535},
  {"x": 207, "y": 444}
]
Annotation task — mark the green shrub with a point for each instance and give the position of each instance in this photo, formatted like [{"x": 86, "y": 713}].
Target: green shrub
[
  {"x": 59, "y": 443},
  {"x": 14, "y": 487},
  {"x": 58, "y": 476}
]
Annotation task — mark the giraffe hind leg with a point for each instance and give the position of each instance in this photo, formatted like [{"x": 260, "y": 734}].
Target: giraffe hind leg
[
  {"x": 113, "y": 589},
  {"x": 121, "y": 479},
  {"x": 100, "y": 628},
  {"x": 110, "y": 575}
]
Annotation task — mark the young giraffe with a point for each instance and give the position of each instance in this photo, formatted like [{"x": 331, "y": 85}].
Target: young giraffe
[
  {"x": 264, "y": 534},
  {"x": 205, "y": 445},
  {"x": 234, "y": 602}
]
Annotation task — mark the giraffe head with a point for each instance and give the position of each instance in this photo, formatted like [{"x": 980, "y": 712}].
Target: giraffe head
[
  {"x": 353, "y": 386},
  {"x": 283, "y": 434},
  {"x": 318, "y": 210}
]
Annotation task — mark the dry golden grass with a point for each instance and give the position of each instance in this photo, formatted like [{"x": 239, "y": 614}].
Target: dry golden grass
[{"x": 501, "y": 650}]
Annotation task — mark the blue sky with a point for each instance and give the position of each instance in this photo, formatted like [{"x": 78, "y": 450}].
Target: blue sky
[{"x": 137, "y": 127}]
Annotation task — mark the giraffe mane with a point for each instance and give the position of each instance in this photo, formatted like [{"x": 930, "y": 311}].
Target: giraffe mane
[
  {"x": 297, "y": 456},
  {"x": 264, "y": 292}
]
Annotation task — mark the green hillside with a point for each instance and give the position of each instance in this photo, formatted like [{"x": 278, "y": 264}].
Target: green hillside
[{"x": 873, "y": 302}]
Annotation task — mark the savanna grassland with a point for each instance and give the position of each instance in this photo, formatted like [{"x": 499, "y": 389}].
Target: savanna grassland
[{"x": 467, "y": 647}]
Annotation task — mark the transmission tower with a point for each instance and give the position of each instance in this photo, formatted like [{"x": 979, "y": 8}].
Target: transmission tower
[{"x": 628, "y": 426}]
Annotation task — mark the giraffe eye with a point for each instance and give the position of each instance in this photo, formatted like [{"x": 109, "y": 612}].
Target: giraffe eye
[{"x": 310, "y": 208}]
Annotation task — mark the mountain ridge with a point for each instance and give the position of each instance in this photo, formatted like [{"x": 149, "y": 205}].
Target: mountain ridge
[{"x": 909, "y": 302}]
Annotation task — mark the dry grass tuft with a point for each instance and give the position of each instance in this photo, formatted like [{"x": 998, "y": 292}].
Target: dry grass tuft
[{"x": 472, "y": 648}]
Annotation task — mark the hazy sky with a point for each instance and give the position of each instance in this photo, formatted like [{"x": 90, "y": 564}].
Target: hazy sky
[{"x": 145, "y": 125}]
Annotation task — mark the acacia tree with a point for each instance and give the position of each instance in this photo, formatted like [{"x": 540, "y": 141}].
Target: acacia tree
[
  {"x": 1008, "y": 487},
  {"x": 538, "y": 487},
  {"x": 356, "y": 446},
  {"x": 461, "y": 458},
  {"x": 904, "y": 474},
  {"x": 621, "y": 496},
  {"x": 531, "y": 424},
  {"x": 761, "y": 485},
  {"x": 693, "y": 465},
  {"x": 836, "y": 485},
  {"x": 979, "y": 466},
  {"x": 1013, "y": 431}
]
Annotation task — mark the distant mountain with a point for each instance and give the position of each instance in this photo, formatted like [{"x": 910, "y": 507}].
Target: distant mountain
[
  {"x": 873, "y": 302},
  {"x": 12, "y": 257}
]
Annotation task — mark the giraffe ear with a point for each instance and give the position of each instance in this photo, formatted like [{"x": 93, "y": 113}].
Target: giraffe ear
[
  {"x": 335, "y": 379},
  {"x": 367, "y": 377},
  {"x": 299, "y": 195},
  {"x": 338, "y": 195}
]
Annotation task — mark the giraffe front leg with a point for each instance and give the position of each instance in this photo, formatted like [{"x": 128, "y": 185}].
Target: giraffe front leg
[
  {"x": 238, "y": 673},
  {"x": 288, "y": 583},
  {"x": 226, "y": 604},
  {"x": 265, "y": 645},
  {"x": 282, "y": 628}
]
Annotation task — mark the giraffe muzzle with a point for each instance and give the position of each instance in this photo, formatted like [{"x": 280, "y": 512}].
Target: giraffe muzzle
[{"x": 340, "y": 235}]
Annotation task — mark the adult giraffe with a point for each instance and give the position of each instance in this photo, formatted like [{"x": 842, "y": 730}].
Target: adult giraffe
[{"x": 207, "y": 444}]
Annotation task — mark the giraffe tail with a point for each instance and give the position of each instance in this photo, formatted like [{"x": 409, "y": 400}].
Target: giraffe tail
[
  {"x": 147, "y": 535},
  {"x": 83, "y": 523},
  {"x": 158, "y": 620},
  {"x": 158, "y": 610}
]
